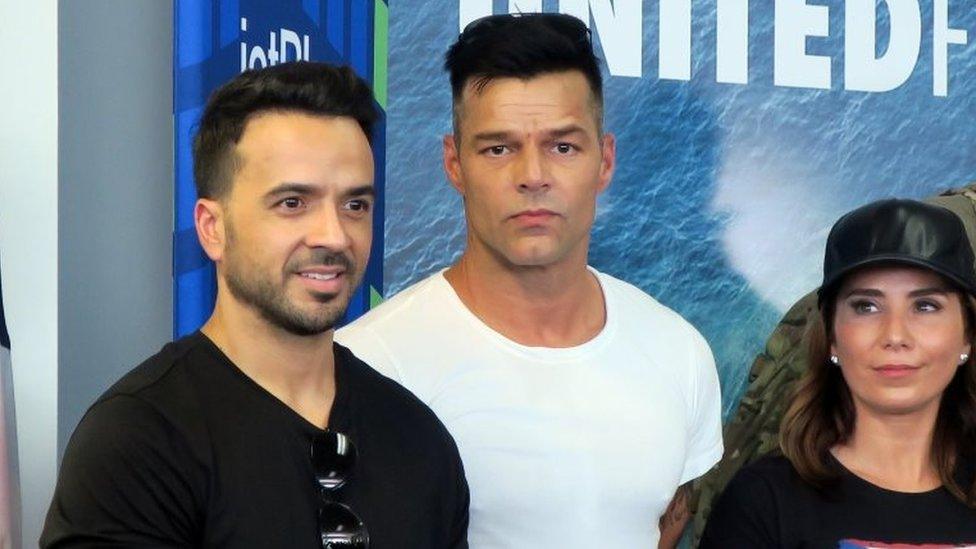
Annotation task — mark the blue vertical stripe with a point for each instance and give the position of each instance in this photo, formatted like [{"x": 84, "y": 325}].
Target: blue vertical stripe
[
  {"x": 230, "y": 21},
  {"x": 198, "y": 290},
  {"x": 194, "y": 21},
  {"x": 312, "y": 9},
  {"x": 335, "y": 26},
  {"x": 360, "y": 37}
]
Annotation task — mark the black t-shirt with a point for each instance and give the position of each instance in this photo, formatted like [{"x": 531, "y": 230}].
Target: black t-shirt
[
  {"x": 767, "y": 504},
  {"x": 186, "y": 450}
]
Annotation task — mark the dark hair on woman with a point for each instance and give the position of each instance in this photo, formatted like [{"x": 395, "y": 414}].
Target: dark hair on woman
[
  {"x": 822, "y": 413},
  {"x": 312, "y": 88},
  {"x": 522, "y": 46}
]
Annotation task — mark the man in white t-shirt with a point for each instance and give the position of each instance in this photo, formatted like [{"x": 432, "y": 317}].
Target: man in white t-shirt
[{"x": 582, "y": 408}]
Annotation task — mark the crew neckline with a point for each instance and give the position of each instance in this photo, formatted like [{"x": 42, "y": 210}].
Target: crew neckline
[
  {"x": 865, "y": 483},
  {"x": 538, "y": 353}
]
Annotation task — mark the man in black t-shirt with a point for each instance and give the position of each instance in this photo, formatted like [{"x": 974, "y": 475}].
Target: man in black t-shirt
[{"x": 259, "y": 430}]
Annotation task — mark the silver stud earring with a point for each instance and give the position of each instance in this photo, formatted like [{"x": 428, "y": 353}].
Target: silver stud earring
[
  {"x": 834, "y": 360},
  {"x": 963, "y": 358}
]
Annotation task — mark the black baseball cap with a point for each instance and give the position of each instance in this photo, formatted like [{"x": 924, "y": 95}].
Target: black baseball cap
[{"x": 899, "y": 231}]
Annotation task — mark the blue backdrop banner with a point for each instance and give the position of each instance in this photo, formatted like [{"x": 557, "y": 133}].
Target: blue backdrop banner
[{"x": 214, "y": 41}]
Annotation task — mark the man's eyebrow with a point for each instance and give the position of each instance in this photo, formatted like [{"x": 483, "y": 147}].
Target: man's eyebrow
[
  {"x": 565, "y": 130},
  {"x": 554, "y": 133},
  {"x": 290, "y": 188},
  {"x": 492, "y": 136},
  {"x": 362, "y": 190}
]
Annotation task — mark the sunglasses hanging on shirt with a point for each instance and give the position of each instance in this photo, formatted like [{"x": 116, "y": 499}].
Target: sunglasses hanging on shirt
[{"x": 333, "y": 458}]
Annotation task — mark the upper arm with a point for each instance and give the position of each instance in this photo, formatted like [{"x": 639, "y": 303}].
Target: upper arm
[
  {"x": 462, "y": 500},
  {"x": 125, "y": 479},
  {"x": 704, "y": 442}
]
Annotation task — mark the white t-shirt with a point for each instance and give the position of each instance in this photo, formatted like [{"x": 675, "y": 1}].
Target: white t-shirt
[{"x": 562, "y": 447}]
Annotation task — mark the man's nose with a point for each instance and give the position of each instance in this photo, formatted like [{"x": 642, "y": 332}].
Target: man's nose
[
  {"x": 326, "y": 230},
  {"x": 532, "y": 173}
]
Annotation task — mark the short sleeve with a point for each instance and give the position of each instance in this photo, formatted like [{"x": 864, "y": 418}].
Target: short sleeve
[
  {"x": 125, "y": 480},
  {"x": 744, "y": 516},
  {"x": 459, "y": 526},
  {"x": 705, "y": 417},
  {"x": 369, "y": 347}
]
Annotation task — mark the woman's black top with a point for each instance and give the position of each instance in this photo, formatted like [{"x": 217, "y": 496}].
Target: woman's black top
[{"x": 767, "y": 504}]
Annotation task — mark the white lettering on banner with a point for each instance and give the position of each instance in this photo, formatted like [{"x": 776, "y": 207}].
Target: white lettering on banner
[
  {"x": 732, "y": 42},
  {"x": 864, "y": 72},
  {"x": 794, "y": 20},
  {"x": 618, "y": 24},
  {"x": 942, "y": 36},
  {"x": 279, "y": 46},
  {"x": 674, "y": 49}
]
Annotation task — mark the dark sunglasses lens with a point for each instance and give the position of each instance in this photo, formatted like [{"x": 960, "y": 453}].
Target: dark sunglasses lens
[
  {"x": 340, "y": 528},
  {"x": 333, "y": 457}
]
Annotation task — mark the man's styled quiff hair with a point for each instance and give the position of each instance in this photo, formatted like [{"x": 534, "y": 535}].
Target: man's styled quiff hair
[
  {"x": 303, "y": 87},
  {"x": 522, "y": 46}
]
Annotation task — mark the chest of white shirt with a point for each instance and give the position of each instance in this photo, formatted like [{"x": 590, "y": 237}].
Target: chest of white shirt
[{"x": 626, "y": 421}]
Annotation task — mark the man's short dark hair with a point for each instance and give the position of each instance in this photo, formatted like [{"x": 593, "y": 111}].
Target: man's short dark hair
[
  {"x": 304, "y": 87},
  {"x": 521, "y": 46}
]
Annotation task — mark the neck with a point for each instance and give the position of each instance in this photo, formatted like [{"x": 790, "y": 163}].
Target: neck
[
  {"x": 297, "y": 370},
  {"x": 547, "y": 306},
  {"x": 892, "y": 451}
]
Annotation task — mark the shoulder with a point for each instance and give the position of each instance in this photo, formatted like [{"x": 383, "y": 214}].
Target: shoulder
[
  {"x": 636, "y": 309},
  {"x": 422, "y": 298},
  {"x": 771, "y": 477},
  {"x": 771, "y": 468},
  {"x": 402, "y": 331},
  {"x": 160, "y": 369},
  {"x": 747, "y": 512},
  {"x": 163, "y": 395}
]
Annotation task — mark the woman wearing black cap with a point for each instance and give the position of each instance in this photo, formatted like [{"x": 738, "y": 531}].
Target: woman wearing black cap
[{"x": 879, "y": 442}]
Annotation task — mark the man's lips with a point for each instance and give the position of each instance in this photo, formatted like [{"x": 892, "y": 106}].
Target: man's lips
[
  {"x": 895, "y": 370},
  {"x": 323, "y": 279},
  {"x": 536, "y": 215}
]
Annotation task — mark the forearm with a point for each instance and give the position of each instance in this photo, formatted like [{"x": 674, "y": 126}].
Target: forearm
[{"x": 672, "y": 522}]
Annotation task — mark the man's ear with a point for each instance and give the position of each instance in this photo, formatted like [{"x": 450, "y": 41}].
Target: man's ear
[
  {"x": 452, "y": 163},
  {"x": 608, "y": 161},
  {"x": 208, "y": 216}
]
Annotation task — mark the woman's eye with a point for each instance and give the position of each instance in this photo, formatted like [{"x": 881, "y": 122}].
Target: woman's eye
[
  {"x": 864, "y": 307},
  {"x": 927, "y": 306}
]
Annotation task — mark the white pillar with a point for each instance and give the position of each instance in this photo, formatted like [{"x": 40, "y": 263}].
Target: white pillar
[{"x": 28, "y": 241}]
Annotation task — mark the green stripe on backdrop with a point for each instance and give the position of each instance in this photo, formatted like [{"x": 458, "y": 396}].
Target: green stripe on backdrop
[
  {"x": 375, "y": 298},
  {"x": 380, "y": 30}
]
